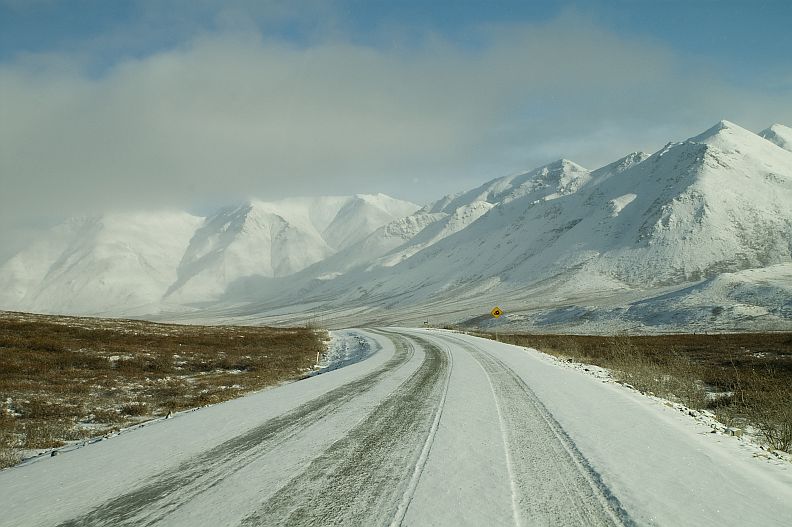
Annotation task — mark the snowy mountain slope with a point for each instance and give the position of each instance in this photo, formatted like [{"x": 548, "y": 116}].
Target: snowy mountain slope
[
  {"x": 554, "y": 244},
  {"x": 116, "y": 263},
  {"x": 544, "y": 183},
  {"x": 26, "y": 270},
  {"x": 454, "y": 213},
  {"x": 715, "y": 203},
  {"x": 780, "y": 135},
  {"x": 124, "y": 264},
  {"x": 382, "y": 241},
  {"x": 385, "y": 247},
  {"x": 618, "y": 166},
  {"x": 239, "y": 242},
  {"x": 558, "y": 178},
  {"x": 397, "y": 240},
  {"x": 401, "y": 276},
  {"x": 453, "y": 222},
  {"x": 345, "y": 277},
  {"x": 275, "y": 239},
  {"x": 718, "y": 202},
  {"x": 361, "y": 216},
  {"x": 479, "y": 250},
  {"x": 752, "y": 299}
]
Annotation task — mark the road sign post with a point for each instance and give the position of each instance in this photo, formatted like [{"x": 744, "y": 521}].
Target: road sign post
[{"x": 496, "y": 313}]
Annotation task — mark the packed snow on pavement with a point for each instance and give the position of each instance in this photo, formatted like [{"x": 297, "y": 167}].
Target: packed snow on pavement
[{"x": 431, "y": 428}]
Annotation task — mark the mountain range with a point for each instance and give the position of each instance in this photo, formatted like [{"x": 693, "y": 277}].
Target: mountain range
[
  {"x": 696, "y": 236},
  {"x": 135, "y": 263}
]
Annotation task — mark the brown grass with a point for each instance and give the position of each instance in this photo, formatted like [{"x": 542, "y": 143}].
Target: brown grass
[
  {"x": 69, "y": 378},
  {"x": 744, "y": 378}
]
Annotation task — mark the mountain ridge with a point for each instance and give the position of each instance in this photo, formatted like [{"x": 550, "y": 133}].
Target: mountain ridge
[
  {"x": 634, "y": 230},
  {"x": 778, "y": 134}
]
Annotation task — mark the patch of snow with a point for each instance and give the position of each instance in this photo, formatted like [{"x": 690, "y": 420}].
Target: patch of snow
[
  {"x": 617, "y": 204},
  {"x": 346, "y": 347}
]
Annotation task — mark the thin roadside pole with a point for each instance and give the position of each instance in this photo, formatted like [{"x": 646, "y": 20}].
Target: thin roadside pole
[{"x": 496, "y": 313}]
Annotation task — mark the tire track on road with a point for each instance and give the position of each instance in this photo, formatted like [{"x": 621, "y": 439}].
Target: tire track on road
[
  {"x": 401, "y": 512},
  {"x": 366, "y": 478},
  {"x": 553, "y": 482},
  {"x": 167, "y": 491}
]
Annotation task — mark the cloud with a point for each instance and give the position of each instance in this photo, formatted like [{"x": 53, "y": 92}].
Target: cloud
[{"x": 229, "y": 114}]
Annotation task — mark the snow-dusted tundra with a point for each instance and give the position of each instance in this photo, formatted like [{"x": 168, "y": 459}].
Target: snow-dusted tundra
[{"x": 431, "y": 428}]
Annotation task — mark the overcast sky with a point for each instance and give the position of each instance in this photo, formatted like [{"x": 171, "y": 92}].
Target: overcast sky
[{"x": 196, "y": 104}]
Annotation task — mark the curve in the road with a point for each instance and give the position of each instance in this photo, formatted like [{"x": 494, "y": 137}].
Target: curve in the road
[
  {"x": 366, "y": 477},
  {"x": 167, "y": 491}
]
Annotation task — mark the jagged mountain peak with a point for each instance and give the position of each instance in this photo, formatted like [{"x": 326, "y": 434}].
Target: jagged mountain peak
[
  {"x": 545, "y": 182},
  {"x": 727, "y": 144},
  {"x": 556, "y": 169},
  {"x": 620, "y": 165},
  {"x": 565, "y": 164},
  {"x": 560, "y": 171},
  {"x": 723, "y": 130}
]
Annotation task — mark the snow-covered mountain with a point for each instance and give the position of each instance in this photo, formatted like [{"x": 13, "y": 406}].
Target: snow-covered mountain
[
  {"x": 275, "y": 239},
  {"x": 133, "y": 264},
  {"x": 402, "y": 238},
  {"x": 780, "y": 135},
  {"x": 116, "y": 263},
  {"x": 608, "y": 242},
  {"x": 698, "y": 234}
]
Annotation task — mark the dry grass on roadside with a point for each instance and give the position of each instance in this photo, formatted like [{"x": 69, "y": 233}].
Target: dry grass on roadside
[
  {"x": 744, "y": 378},
  {"x": 70, "y": 378}
]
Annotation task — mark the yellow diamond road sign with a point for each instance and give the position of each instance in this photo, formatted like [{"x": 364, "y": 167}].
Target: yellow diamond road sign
[{"x": 496, "y": 312}]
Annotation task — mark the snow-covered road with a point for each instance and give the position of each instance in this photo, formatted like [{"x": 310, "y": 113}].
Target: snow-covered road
[{"x": 433, "y": 428}]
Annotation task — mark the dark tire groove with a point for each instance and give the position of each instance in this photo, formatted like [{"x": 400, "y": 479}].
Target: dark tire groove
[{"x": 362, "y": 478}]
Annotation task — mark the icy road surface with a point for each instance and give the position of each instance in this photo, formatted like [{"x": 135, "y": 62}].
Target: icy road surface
[{"x": 433, "y": 428}]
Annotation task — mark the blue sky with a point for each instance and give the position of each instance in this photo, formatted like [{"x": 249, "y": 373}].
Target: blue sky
[
  {"x": 751, "y": 36},
  {"x": 196, "y": 103}
]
